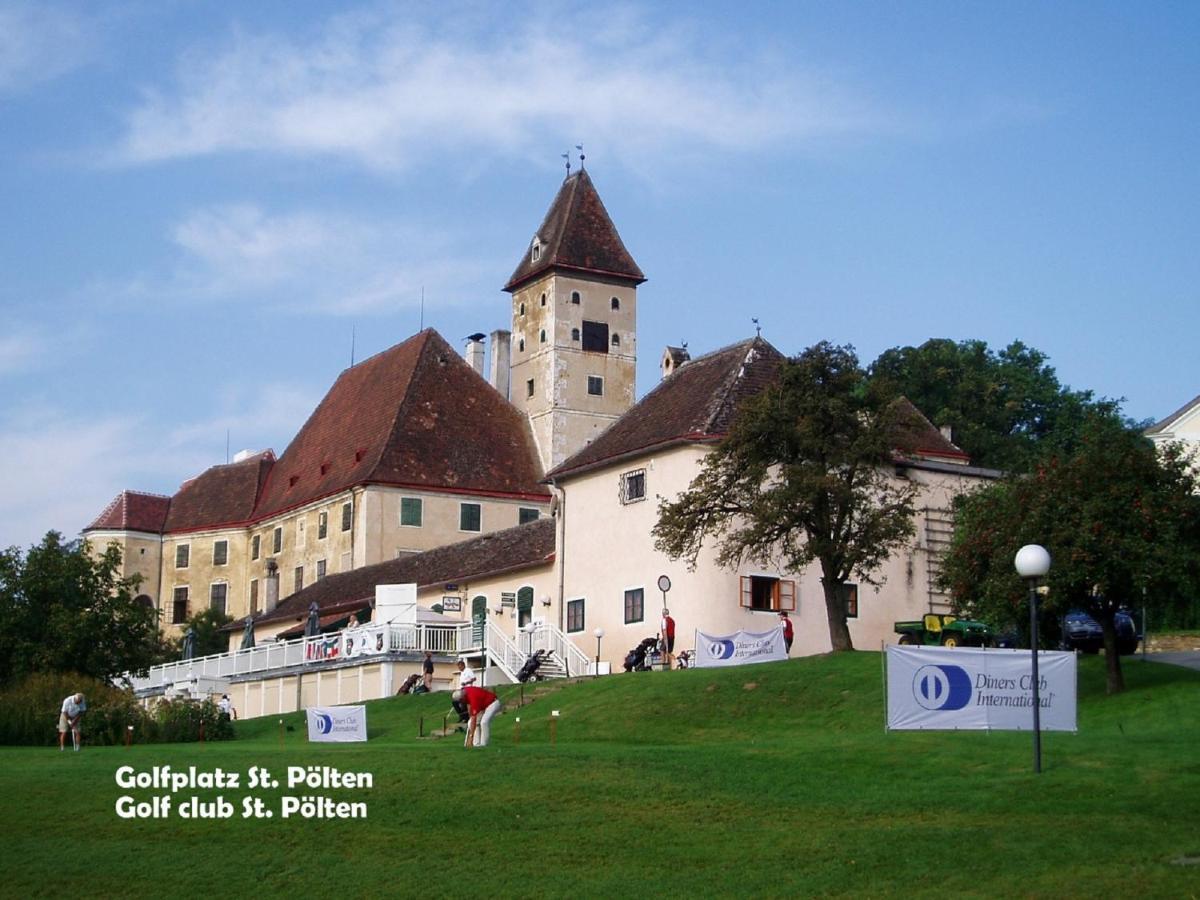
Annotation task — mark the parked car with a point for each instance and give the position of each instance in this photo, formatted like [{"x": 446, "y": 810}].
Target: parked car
[{"x": 1082, "y": 632}]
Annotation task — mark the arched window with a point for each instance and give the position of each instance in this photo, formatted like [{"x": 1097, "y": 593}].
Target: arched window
[
  {"x": 616, "y": 340},
  {"x": 543, "y": 299},
  {"x": 616, "y": 304},
  {"x": 574, "y": 334},
  {"x": 575, "y": 298},
  {"x": 542, "y": 338},
  {"x": 522, "y": 309},
  {"x": 521, "y": 345}
]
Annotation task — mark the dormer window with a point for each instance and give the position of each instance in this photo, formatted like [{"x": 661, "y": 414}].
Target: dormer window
[{"x": 535, "y": 250}]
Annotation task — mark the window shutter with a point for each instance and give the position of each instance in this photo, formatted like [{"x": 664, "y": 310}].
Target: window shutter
[
  {"x": 747, "y": 593},
  {"x": 785, "y": 595}
]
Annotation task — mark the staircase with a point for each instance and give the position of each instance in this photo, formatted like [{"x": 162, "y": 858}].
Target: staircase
[
  {"x": 939, "y": 530},
  {"x": 562, "y": 660}
]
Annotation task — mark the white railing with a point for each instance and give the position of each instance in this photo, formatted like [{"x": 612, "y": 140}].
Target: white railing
[
  {"x": 353, "y": 643},
  {"x": 503, "y": 652},
  {"x": 551, "y": 639}
]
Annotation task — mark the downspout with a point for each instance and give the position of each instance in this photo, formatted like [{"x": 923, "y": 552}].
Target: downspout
[{"x": 561, "y": 555}]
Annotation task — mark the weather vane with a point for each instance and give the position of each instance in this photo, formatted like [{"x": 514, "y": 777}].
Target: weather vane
[
  {"x": 757, "y": 328},
  {"x": 579, "y": 147},
  {"x": 567, "y": 157}
]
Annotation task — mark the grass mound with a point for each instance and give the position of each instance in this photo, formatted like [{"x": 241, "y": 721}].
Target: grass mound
[{"x": 775, "y": 779}]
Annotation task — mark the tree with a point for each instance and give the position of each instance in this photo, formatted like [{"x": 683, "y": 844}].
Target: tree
[
  {"x": 207, "y": 626},
  {"x": 802, "y": 475},
  {"x": 63, "y": 610},
  {"x": 1121, "y": 522},
  {"x": 1002, "y": 406}
]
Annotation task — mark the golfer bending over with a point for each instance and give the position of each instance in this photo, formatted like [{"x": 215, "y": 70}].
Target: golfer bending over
[
  {"x": 479, "y": 700},
  {"x": 73, "y": 708}
]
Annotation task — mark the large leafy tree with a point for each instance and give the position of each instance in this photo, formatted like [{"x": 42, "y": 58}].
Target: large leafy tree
[
  {"x": 206, "y": 625},
  {"x": 804, "y": 474},
  {"x": 1121, "y": 522},
  {"x": 64, "y": 610},
  {"x": 1003, "y": 407}
]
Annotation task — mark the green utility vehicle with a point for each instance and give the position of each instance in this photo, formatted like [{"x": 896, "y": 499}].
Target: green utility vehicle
[{"x": 944, "y": 631}]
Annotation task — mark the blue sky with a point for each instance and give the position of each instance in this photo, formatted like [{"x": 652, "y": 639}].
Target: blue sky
[{"x": 202, "y": 202}]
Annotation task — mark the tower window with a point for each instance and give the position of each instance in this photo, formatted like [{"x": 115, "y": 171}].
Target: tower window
[
  {"x": 616, "y": 340},
  {"x": 616, "y": 304},
  {"x": 542, "y": 337},
  {"x": 595, "y": 336},
  {"x": 575, "y": 298},
  {"x": 595, "y": 386},
  {"x": 522, "y": 309},
  {"x": 543, "y": 299},
  {"x": 574, "y": 334},
  {"x": 521, "y": 345},
  {"x": 529, "y": 388}
]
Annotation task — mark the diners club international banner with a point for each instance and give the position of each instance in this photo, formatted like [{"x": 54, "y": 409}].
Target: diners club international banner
[
  {"x": 739, "y": 648},
  {"x": 337, "y": 723},
  {"x": 965, "y": 688}
]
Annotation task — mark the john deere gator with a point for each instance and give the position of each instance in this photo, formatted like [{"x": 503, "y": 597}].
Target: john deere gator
[{"x": 944, "y": 631}]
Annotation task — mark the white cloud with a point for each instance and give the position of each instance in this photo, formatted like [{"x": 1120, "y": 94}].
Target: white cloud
[
  {"x": 38, "y": 43},
  {"x": 387, "y": 95},
  {"x": 330, "y": 263}
]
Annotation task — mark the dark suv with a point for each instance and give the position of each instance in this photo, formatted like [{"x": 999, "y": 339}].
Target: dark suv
[{"x": 1082, "y": 632}]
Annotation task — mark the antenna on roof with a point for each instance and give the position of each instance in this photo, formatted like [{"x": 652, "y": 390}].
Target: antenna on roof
[
  {"x": 579, "y": 147},
  {"x": 757, "y": 328},
  {"x": 422, "y": 328},
  {"x": 567, "y": 157},
  {"x": 226, "y": 446},
  {"x": 352, "y": 336}
]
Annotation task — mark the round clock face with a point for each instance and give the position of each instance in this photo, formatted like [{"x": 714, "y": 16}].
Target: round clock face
[{"x": 664, "y": 583}]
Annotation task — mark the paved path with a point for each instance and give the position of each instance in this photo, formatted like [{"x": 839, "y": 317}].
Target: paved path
[{"x": 1188, "y": 658}]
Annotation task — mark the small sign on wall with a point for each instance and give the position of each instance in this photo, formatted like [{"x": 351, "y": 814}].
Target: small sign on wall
[{"x": 452, "y": 604}]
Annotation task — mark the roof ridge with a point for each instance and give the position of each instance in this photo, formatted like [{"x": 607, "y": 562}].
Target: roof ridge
[
  {"x": 734, "y": 376},
  {"x": 1158, "y": 427}
]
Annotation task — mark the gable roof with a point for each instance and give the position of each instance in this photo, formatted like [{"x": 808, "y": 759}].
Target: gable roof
[
  {"x": 416, "y": 415},
  {"x": 221, "y": 496},
  {"x": 512, "y": 549},
  {"x": 133, "y": 511},
  {"x": 696, "y": 402},
  {"x": 1174, "y": 418},
  {"x": 577, "y": 234}
]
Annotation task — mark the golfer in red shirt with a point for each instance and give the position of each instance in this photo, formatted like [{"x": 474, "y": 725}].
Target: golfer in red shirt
[{"x": 479, "y": 700}]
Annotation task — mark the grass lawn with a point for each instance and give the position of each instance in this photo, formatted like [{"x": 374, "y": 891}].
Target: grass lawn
[{"x": 767, "y": 780}]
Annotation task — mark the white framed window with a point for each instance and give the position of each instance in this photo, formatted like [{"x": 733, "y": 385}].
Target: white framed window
[
  {"x": 595, "y": 386},
  {"x": 633, "y": 486},
  {"x": 320, "y": 569},
  {"x": 322, "y": 525},
  {"x": 220, "y": 553},
  {"x": 255, "y": 546},
  {"x": 183, "y": 553},
  {"x": 470, "y": 517},
  {"x": 635, "y": 605},
  {"x": 575, "y": 615},
  {"x": 527, "y": 514},
  {"x": 298, "y": 579},
  {"x": 347, "y": 515},
  {"x": 411, "y": 512},
  {"x": 277, "y": 540},
  {"x": 218, "y": 597}
]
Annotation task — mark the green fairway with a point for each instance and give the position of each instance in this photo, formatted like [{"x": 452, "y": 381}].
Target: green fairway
[{"x": 776, "y": 779}]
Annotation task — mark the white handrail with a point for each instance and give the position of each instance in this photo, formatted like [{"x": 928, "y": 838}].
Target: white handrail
[
  {"x": 550, "y": 638},
  {"x": 503, "y": 652}
]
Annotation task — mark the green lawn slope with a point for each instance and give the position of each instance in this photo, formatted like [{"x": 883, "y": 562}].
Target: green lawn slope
[{"x": 769, "y": 780}]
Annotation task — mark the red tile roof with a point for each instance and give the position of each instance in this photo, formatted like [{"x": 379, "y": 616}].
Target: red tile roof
[
  {"x": 698, "y": 401},
  {"x": 133, "y": 511},
  {"x": 695, "y": 403},
  {"x": 415, "y": 415},
  {"x": 512, "y": 549},
  {"x": 221, "y": 496},
  {"x": 577, "y": 234}
]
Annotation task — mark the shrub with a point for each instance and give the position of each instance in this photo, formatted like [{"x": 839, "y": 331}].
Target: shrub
[
  {"x": 181, "y": 720},
  {"x": 29, "y": 710}
]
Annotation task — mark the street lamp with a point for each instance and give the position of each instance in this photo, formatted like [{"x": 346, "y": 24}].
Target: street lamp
[
  {"x": 599, "y": 633},
  {"x": 1033, "y": 562}
]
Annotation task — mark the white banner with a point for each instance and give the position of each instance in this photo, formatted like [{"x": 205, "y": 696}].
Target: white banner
[
  {"x": 968, "y": 688},
  {"x": 739, "y": 648},
  {"x": 337, "y": 723}
]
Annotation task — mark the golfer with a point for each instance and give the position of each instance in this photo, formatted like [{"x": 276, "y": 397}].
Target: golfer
[
  {"x": 479, "y": 700},
  {"x": 466, "y": 678},
  {"x": 73, "y": 708}
]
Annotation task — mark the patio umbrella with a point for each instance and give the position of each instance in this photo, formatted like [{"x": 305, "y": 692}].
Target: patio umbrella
[
  {"x": 313, "y": 626},
  {"x": 248, "y": 634},
  {"x": 189, "y": 644}
]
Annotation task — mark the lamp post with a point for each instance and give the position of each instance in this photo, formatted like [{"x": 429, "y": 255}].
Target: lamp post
[
  {"x": 1033, "y": 562},
  {"x": 599, "y": 633}
]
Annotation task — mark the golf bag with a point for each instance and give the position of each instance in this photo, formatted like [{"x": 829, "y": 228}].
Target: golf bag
[
  {"x": 635, "y": 659},
  {"x": 529, "y": 670},
  {"x": 684, "y": 659}
]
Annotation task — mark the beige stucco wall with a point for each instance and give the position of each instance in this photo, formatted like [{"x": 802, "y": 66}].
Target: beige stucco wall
[
  {"x": 563, "y": 415},
  {"x": 607, "y": 549},
  {"x": 201, "y": 573},
  {"x": 141, "y": 555}
]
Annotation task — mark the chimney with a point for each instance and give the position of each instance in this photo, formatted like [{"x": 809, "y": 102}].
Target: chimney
[
  {"x": 673, "y": 358},
  {"x": 272, "y": 584},
  {"x": 501, "y": 361},
  {"x": 474, "y": 352},
  {"x": 947, "y": 432}
]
